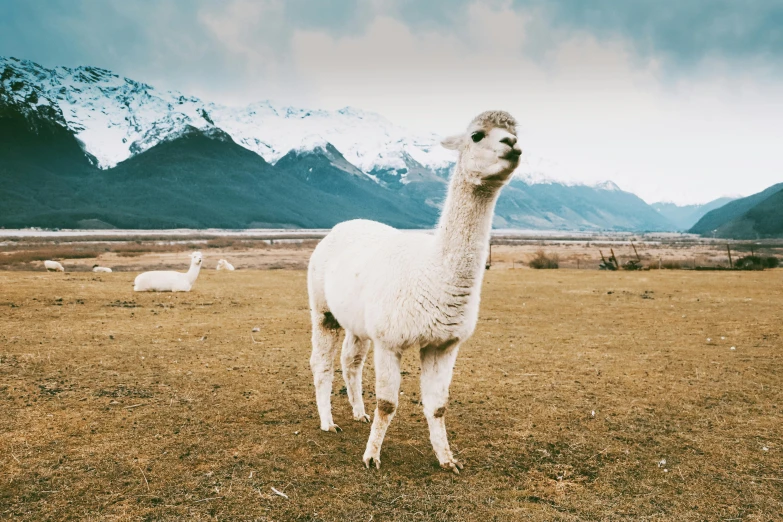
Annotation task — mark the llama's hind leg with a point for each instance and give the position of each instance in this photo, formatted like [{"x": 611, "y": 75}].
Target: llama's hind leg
[
  {"x": 326, "y": 334},
  {"x": 437, "y": 366},
  {"x": 352, "y": 359},
  {"x": 387, "y": 389}
]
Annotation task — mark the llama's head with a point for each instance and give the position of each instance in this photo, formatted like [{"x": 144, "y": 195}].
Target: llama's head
[
  {"x": 488, "y": 151},
  {"x": 195, "y": 258}
]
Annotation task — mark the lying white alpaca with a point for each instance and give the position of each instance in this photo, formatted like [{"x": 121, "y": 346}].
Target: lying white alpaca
[
  {"x": 169, "y": 281},
  {"x": 404, "y": 290},
  {"x": 53, "y": 266},
  {"x": 96, "y": 268},
  {"x": 224, "y": 265}
]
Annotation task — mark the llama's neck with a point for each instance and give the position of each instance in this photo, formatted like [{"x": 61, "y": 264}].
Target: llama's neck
[
  {"x": 463, "y": 233},
  {"x": 192, "y": 273}
]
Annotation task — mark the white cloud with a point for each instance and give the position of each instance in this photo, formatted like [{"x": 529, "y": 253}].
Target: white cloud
[{"x": 589, "y": 110}]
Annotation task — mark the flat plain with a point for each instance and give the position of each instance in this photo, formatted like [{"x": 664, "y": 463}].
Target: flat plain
[{"x": 583, "y": 395}]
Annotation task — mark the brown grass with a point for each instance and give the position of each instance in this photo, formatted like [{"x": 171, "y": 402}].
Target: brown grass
[{"x": 123, "y": 406}]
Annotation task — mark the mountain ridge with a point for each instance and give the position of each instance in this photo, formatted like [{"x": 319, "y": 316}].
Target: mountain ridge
[
  {"x": 756, "y": 216},
  {"x": 685, "y": 216},
  {"x": 338, "y": 164}
]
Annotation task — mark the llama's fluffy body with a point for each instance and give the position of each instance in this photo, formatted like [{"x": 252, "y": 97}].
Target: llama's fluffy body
[
  {"x": 169, "y": 281},
  {"x": 224, "y": 265},
  {"x": 396, "y": 301},
  {"x": 53, "y": 266},
  {"x": 102, "y": 269},
  {"x": 398, "y": 290}
]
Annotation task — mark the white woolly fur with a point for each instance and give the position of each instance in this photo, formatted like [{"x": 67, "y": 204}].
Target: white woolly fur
[
  {"x": 224, "y": 265},
  {"x": 169, "y": 281},
  {"x": 53, "y": 266}
]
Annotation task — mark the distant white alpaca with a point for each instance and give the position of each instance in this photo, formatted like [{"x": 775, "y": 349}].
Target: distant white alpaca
[
  {"x": 224, "y": 265},
  {"x": 169, "y": 281},
  {"x": 53, "y": 266},
  {"x": 96, "y": 268},
  {"x": 407, "y": 290}
]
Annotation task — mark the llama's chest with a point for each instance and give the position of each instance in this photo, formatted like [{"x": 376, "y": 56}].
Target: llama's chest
[{"x": 425, "y": 316}]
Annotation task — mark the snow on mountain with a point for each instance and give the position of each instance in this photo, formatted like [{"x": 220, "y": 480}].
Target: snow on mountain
[
  {"x": 115, "y": 118},
  {"x": 607, "y": 185},
  {"x": 539, "y": 178},
  {"x": 367, "y": 140}
]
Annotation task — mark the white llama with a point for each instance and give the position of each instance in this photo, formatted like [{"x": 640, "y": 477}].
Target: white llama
[
  {"x": 224, "y": 265},
  {"x": 409, "y": 290},
  {"x": 53, "y": 266},
  {"x": 169, "y": 281}
]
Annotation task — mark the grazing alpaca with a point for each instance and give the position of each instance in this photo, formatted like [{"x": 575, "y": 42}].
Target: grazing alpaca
[
  {"x": 224, "y": 265},
  {"x": 409, "y": 290},
  {"x": 53, "y": 266},
  {"x": 169, "y": 281}
]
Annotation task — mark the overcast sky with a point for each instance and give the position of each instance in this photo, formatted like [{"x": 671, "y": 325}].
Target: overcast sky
[{"x": 678, "y": 100}]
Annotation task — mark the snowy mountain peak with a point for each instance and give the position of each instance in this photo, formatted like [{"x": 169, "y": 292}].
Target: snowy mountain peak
[
  {"x": 607, "y": 185},
  {"x": 312, "y": 143},
  {"x": 115, "y": 118}
]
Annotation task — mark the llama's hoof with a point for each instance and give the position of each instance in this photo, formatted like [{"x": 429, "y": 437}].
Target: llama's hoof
[
  {"x": 368, "y": 461},
  {"x": 452, "y": 466},
  {"x": 363, "y": 417},
  {"x": 334, "y": 428}
]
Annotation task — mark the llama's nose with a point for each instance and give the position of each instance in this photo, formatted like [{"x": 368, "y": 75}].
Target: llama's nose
[{"x": 509, "y": 140}]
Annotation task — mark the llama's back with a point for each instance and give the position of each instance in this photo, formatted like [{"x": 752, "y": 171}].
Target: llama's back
[
  {"x": 357, "y": 262},
  {"x": 53, "y": 266},
  {"x": 161, "y": 281}
]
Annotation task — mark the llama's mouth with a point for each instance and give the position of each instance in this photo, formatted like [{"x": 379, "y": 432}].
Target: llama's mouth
[{"x": 512, "y": 155}]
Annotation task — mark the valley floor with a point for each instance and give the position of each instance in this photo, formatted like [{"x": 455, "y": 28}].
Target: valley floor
[{"x": 583, "y": 395}]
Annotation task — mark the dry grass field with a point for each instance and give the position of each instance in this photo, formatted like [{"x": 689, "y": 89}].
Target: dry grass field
[{"x": 123, "y": 406}]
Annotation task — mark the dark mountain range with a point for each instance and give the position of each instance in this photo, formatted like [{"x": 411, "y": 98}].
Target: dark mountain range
[
  {"x": 759, "y": 215},
  {"x": 176, "y": 166}
]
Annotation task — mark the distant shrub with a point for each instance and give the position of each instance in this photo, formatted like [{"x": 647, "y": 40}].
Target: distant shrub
[
  {"x": 542, "y": 260},
  {"x": 222, "y": 242},
  {"x": 633, "y": 264},
  {"x": 756, "y": 262},
  {"x": 671, "y": 265}
]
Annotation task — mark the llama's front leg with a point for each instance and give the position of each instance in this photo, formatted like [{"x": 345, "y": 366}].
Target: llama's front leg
[
  {"x": 437, "y": 365},
  {"x": 387, "y": 389},
  {"x": 352, "y": 358},
  {"x": 325, "y": 342}
]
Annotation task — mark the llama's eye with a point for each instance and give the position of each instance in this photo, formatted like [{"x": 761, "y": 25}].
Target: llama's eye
[{"x": 477, "y": 136}]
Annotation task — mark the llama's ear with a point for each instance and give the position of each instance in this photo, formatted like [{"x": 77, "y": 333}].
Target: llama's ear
[{"x": 453, "y": 142}]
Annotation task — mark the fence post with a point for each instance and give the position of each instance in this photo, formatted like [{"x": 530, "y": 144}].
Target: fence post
[{"x": 728, "y": 248}]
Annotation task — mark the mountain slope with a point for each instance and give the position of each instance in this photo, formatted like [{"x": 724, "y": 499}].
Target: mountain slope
[
  {"x": 556, "y": 206},
  {"x": 684, "y": 217},
  {"x": 199, "y": 179},
  {"x": 82, "y": 146},
  {"x": 766, "y": 218},
  {"x": 116, "y": 118},
  {"x": 715, "y": 219},
  {"x": 42, "y": 165},
  {"x": 763, "y": 220}
]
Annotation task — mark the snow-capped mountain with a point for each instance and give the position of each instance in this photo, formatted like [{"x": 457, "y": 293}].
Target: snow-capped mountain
[
  {"x": 115, "y": 118},
  {"x": 82, "y": 146}
]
